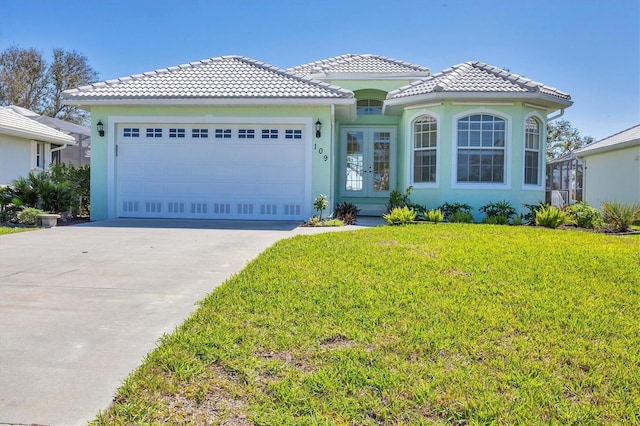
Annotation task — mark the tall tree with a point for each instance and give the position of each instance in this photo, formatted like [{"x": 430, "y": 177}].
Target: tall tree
[
  {"x": 27, "y": 80},
  {"x": 23, "y": 78},
  {"x": 68, "y": 70},
  {"x": 563, "y": 138}
]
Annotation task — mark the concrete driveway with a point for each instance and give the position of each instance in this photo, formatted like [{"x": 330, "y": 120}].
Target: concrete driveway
[{"x": 81, "y": 305}]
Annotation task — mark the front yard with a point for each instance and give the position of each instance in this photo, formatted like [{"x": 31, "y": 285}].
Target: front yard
[
  {"x": 420, "y": 324},
  {"x": 4, "y": 230}
]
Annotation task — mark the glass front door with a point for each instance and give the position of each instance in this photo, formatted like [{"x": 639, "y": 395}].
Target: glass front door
[{"x": 367, "y": 163}]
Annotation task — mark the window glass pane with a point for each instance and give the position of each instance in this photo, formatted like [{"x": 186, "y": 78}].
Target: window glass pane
[
  {"x": 474, "y": 138},
  {"x": 463, "y": 139}
]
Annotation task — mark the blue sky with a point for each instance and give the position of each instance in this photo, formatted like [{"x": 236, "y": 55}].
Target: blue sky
[{"x": 588, "y": 48}]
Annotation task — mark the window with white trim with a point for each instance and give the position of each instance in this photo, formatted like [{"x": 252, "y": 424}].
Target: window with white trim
[
  {"x": 40, "y": 162},
  {"x": 223, "y": 133},
  {"x": 425, "y": 149},
  {"x": 532, "y": 151},
  {"x": 176, "y": 133},
  {"x": 200, "y": 133},
  {"x": 269, "y": 133},
  {"x": 246, "y": 133},
  {"x": 481, "y": 149},
  {"x": 154, "y": 132},
  {"x": 131, "y": 132}
]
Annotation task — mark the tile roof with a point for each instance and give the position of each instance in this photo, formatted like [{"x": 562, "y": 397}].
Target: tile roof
[
  {"x": 12, "y": 123},
  {"x": 54, "y": 123},
  {"x": 622, "y": 139},
  {"x": 226, "y": 77},
  {"x": 475, "y": 77},
  {"x": 359, "y": 64}
]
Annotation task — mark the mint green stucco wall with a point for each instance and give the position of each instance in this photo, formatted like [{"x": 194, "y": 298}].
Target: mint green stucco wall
[
  {"x": 100, "y": 169},
  {"x": 323, "y": 181},
  {"x": 447, "y": 190}
]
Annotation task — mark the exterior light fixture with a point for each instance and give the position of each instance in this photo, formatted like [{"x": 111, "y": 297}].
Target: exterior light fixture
[
  {"x": 100, "y": 127},
  {"x": 318, "y": 128}
]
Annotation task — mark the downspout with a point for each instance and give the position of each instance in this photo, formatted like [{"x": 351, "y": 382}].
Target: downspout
[
  {"x": 556, "y": 116},
  {"x": 332, "y": 164}
]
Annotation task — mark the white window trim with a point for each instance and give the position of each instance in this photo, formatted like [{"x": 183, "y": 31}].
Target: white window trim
[
  {"x": 46, "y": 155},
  {"x": 507, "y": 151},
  {"x": 115, "y": 121},
  {"x": 541, "y": 155},
  {"x": 409, "y": 151}
]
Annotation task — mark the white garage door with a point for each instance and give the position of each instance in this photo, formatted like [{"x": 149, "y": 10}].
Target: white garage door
[{"x": 211, "y": 171}]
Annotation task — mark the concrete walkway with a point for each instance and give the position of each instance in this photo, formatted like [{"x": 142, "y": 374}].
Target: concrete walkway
[{"x": 80, "y": 306}]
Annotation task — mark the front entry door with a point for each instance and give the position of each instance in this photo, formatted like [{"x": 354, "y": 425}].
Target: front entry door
[{"x": 367, "y": 161}]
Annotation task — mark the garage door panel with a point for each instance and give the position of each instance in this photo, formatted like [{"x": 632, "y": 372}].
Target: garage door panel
[
  {"x": 231, "y": 178},
  {"x": 200, "y": 172},
  {"x": 154, "y": 188},
  {"x": 130, "y": 187}
]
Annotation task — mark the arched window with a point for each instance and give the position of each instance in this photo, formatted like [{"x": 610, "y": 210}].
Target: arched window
[
  {"x": 425, "y": 146},
  {"x": 532, "y": 151},
  {"x": 481, "y": 149},
  {"x": 369, "y": 107}
]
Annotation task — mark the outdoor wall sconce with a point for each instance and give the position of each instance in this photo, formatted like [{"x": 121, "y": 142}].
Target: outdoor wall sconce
[
  {"x": 318, "y": 128},
  {"x": 100, "y": 127}
]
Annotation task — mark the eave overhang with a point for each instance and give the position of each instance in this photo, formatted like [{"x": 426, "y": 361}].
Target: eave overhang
[{"x": 548, "y": 102}]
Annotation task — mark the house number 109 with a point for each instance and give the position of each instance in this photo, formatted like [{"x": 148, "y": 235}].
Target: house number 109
[{"x": 320, "y": 151}]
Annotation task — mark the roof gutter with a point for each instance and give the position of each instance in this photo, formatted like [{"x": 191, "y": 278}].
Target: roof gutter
[
  {"x": 560, "y": 114},
  {"x": 58, "y": 148}
]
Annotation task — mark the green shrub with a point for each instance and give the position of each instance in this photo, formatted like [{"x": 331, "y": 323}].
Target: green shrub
[
  {"x": 400, "y": 215},
  {"x": 333, "y": 223},
  {"x": 79, "y": 180},
  {"x": 8, "y": 209},
  {"x": 435, "y": 216},
  {"x": 398, "y": 199},
  {"x": 619, "y": 215},
  {"x": 550, "y": 217},
  {"x": 495, "y": 220},
  {"x": 347, "y": 212},
  {"x": 530, "y": 217},
  {"x": 461, "y": 216},
  {"x": 41, "y": 191},
  {"x": 29, "y": 216},
  {"x": 450, "y": 209},
  {"x": 500, "y": 208},
  {"x": 517, "y": 220},
  {"x": 585, "y": 216}
]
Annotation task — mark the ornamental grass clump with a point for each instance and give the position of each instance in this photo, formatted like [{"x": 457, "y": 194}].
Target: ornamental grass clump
[
  {"x": 400, "y": 215},
  {"x": 619, "y": 215},
  {"x": 434, "y": 216},
  {"x": 550, "y": 217}
]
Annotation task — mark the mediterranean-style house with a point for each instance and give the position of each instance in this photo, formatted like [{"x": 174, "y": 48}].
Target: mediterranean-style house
[{"x": 231, "y": 137}]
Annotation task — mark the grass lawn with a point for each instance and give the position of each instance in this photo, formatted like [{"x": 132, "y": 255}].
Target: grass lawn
[
  {"x": 428, "y": 324},
  {"x": 8, "y": 230}
]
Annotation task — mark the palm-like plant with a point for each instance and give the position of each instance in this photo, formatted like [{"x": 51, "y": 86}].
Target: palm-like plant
[{"x": 619, "y": 215}]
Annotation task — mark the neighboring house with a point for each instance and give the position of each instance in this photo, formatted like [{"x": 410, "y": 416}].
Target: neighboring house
[
  {"x": 78, "y": 154},
  {"x": 612, "y": 168},
  {"x": 26, "y": 145},
  {"x": 231, "y": 137}
]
